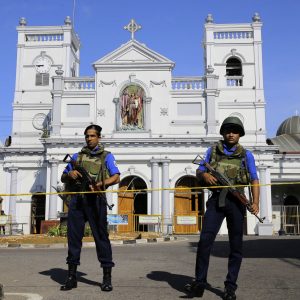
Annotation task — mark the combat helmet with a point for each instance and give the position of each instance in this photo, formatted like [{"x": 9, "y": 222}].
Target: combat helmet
[{"x": 233, "y": 122}]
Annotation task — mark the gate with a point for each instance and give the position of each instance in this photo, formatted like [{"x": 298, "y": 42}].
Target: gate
[{"x": 188, "y": 211}]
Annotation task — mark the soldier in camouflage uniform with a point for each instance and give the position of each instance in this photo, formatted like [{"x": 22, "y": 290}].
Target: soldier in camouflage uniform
[
  {"x": 231, "y": 159},
  {"x": 102, "y": 167}
]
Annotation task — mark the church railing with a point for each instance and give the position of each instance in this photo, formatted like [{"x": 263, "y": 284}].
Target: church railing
[
  {"x": 234, "y": 80},
  {"x": 79, "y": 84},
  {"x": 44, "y": 37},
  {"x": 233, "y": 35},
  {"x": 188, "y": 83}
]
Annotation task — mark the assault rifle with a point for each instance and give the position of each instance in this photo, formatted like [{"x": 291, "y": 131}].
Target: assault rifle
[
  {"x": 86, "y": 179},
  {"x": 224, "y": 181},
  {"x": 63, "y": 197}
]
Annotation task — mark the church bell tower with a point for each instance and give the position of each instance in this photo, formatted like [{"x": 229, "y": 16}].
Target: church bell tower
[
  {"x": 41, "y": 50},
  {"x": 234, "y": 53}
]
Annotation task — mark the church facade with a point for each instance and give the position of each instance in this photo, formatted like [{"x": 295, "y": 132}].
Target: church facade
[{"x": 154, "y": 123}]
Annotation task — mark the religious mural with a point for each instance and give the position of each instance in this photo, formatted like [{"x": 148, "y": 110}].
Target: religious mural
[{"x": 132, "y": 108}]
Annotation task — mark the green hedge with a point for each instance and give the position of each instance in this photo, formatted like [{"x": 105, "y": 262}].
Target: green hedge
[{"x": 61, "y": 230}]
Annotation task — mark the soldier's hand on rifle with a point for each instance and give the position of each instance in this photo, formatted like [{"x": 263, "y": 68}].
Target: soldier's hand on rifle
[
  {"x": 254, "y": 208},
  {"x": 96, "y": 187},
  {"x": 99, "y": 185},
  {"x": 209, "y": 179},
  {"x": 74, "y": 174}
]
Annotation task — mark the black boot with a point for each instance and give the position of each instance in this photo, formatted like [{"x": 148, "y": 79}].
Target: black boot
[
  {"x": 195, "y": 289},
  {"x": 106, "y": 283},
  {"x": 71, "y": 282},
  {"x": 229, "y": 294}
]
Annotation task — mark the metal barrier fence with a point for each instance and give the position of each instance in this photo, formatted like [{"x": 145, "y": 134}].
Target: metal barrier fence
[
  {"x": 181, "y": 224},
  {"x": 135, "y": 223},
  {"x": 286, "y": 219},
  {"x": 187, "y": 224},
  {"x": 7, "y": 226}
]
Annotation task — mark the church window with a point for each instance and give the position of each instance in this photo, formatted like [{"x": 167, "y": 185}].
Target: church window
[
  {"x": 132, "y": 108},
  {"x": 42, "y": 79},
  {"x": 234, "y": 72}
]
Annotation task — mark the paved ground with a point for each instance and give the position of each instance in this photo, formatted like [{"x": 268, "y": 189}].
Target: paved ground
[{"x": 270, "y": 270}]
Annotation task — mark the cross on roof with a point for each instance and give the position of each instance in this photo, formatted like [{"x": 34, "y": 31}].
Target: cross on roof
[{"x": 132, "y": 27}]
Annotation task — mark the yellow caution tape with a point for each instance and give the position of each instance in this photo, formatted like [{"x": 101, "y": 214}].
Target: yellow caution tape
[{"x": 150, "y": 190}]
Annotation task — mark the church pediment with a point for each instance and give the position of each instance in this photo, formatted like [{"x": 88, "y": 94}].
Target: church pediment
[{"x": 133, "y": 53}]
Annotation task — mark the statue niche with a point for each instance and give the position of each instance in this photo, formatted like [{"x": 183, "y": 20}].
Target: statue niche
[{"x": 132, "y": 108}]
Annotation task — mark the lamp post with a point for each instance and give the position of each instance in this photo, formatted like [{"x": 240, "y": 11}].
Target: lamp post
[{"x": 281, "y": 231}]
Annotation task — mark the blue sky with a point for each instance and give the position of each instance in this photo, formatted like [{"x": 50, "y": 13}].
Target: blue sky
[{"x": 173, "y": 28}]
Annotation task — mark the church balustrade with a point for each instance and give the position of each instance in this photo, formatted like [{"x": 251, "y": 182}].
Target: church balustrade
[
  {"x": 188, "y": 83},
  {"x": 234, "y": 80},
  {"x": 79, "y": 84},
  {"x": 233, "y": 35},
  {"x": 44, "y": 37}
]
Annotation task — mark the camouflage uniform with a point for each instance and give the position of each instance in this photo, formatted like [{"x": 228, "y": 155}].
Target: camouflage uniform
[{"x": 91, "y": 208}]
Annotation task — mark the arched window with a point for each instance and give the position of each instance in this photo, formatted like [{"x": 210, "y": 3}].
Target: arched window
[{"x": 234, "y": 72}]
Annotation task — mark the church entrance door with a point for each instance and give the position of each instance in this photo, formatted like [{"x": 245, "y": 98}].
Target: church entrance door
[
  {"x": 38, "y": 207},
  {"x": 188, "y": 206},
  {"x": 132, "y": 202}
]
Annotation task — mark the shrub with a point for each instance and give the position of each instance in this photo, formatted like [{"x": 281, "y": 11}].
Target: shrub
[
  {"x": 87, "y": 231},
  {"x": 59, "y": 230}
]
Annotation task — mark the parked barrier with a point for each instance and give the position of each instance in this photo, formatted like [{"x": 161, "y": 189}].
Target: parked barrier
[{"x": 135, "y": 223}]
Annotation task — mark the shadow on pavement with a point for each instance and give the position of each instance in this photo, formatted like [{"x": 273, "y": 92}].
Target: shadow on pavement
[
  {"x": 260, "y": 248},
  {"x": 178, "y": 281},
  {"x": 59, "y": 275}
]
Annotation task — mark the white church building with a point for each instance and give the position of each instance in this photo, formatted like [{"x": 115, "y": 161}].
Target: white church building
[{"x": 154, "y": 123}]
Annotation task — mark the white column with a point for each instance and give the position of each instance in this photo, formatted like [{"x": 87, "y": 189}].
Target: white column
[
  {"x": 13, "y": 190},
  {"x": 147, "y": 114},
  {"x": 209, "y": 40},
  {"x": 115, "y": 199},
  {"x": 53, "y": 184},
  {"x": 154, "y": 185},
  {"x": 20, "y": 59},
  {"x": 263, "y": 191},
  {"x": 118, "y": 113},
  {"x": 211, "y": 92},
  {"x": 167, "y": 220},
  {"x": 58, "y": 86},
  {"x": 20, "y": 55},
  {"x": 265, "y": 228},
  {"x": 67, "y": 45},
  {"x": 257, "y": 47}
]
